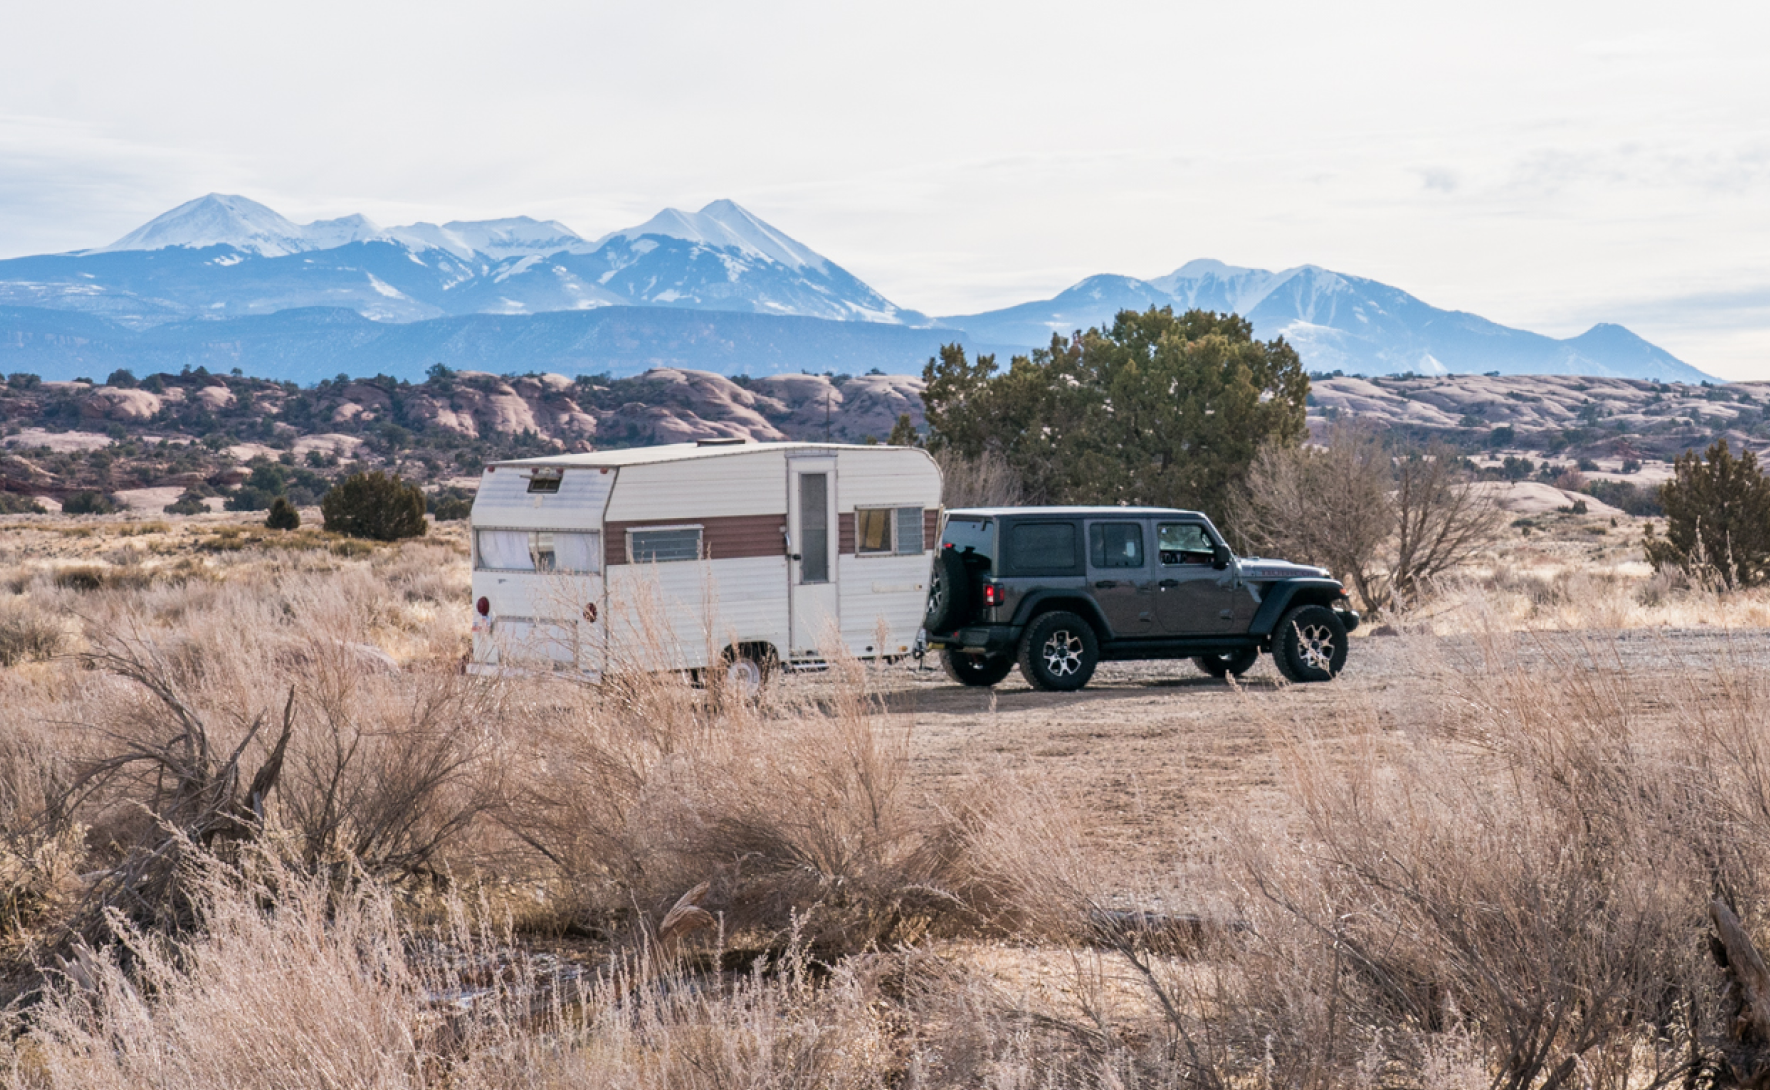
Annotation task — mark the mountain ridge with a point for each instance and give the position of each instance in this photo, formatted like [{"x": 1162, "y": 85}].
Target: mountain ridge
[
  {"x": 223, "y": 257},
  {"x": 1337, "y": 322}
]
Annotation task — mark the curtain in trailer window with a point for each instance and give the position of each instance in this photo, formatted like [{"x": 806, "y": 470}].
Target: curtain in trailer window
[
  {"x": 872, "y": 530},
  {"x": 580, "y": 553},
  {"x": 505, "y": 550}
]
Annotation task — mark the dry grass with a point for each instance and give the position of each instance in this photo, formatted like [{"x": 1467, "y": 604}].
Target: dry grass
[{"x": 1492, "y": 866}]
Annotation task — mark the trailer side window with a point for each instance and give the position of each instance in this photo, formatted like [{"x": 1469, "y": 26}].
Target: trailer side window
[
  {"x": 909, "y": 531},
  {"x": 664, "y": 545},
  {"x": 888, "y": 531},
  {"x": 539, "y": 550}
]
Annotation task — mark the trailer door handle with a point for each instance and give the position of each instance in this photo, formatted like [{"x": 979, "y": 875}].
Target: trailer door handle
[
  {"x": 794, "y": 556},
  {"x": 1106, "y": 584},
  {"x": 1168, "y": 584}
]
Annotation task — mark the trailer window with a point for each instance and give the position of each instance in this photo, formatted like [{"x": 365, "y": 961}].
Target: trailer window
[
  {"x": 539, "y": 550},
  {"x": 888, "y": 531},
  {"x": 545, "y": 480},
  {"x": 661, "y": 546}
]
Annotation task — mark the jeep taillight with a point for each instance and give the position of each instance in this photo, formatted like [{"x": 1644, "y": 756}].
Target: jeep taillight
[{"x": 992, "y": 595}]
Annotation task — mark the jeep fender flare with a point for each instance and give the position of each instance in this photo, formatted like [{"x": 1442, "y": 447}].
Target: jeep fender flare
[
  {"x": 1280, "y": 597},
  {"x": 1044, "y": 601}
]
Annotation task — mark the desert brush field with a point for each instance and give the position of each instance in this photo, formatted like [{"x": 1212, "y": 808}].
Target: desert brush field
[{"x": 258, "y": 829}]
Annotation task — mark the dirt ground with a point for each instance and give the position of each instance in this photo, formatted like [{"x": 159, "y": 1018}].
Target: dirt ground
[{"x": 1162, "y": 756}]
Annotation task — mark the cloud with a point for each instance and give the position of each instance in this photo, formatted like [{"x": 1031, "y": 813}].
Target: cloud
[{"x": 68, "y": 186}]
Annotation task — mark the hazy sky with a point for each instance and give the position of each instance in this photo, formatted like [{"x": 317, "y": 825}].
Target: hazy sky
[{"x": 1544, "y": 165}]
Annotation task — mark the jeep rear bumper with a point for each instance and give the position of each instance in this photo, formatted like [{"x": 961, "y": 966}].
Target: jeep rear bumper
[{"x": 990, "y": 639}]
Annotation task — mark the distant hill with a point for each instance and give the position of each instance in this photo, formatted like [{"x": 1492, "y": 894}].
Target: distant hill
[
  {"x": 226, "y": 281},
  {"x": 311, "y": 343}
]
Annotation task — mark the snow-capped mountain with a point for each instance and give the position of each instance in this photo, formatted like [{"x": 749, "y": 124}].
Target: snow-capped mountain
[
  {"x": 244, "y": 225},
  {"x": 724, "y": 224},
  {"x": 1336, "y": 322},
  {"x": 226, "y": 256}
]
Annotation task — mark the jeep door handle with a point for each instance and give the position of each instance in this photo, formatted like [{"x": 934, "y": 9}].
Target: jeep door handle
[
  {"x": 1168, "y": 584},
  {"x": 1106, "y": 584}
]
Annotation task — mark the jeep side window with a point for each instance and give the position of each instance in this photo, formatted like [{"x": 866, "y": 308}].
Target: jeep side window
[
  {"x": 1183, "y": 543},
  {"x": 1043, "y": 548},
  {"x": 1115, "y": 544}
]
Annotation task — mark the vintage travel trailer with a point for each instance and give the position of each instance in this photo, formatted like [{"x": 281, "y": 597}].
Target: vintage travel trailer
[{"x": 736, "y": 555}]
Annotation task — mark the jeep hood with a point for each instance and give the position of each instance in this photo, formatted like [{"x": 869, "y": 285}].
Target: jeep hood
[{"x": 1261, "y": 570}]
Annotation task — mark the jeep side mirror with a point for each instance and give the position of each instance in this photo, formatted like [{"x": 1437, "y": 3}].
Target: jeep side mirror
[{"x": 1220, "y": 556}]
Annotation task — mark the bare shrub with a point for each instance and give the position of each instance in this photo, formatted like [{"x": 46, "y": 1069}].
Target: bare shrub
[
  {"x": 311, "y": 984},
  {"x": 799, "y": 818},
  {"x": 184, "y": 782},
  {"x": 386, "y": 772},
  {"x": 987, "y": 480},
  {"x": 29, "y": 633},
  {"x": 1389, "y": 523},
  {"x": 1327, "y": 505}
]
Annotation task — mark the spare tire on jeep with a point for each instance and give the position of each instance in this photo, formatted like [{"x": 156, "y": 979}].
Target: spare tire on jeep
[{"x": 949, "y": 593}]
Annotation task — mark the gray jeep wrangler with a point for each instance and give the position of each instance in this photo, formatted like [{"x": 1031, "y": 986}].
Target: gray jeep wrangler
[{"x": 1059, "y": 590}]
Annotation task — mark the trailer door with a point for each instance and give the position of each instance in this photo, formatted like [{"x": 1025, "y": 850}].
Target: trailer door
[{"x": 811, "y": 572}]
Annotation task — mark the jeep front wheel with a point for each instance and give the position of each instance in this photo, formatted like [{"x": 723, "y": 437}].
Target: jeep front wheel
[
  {"x": 1309, "y": 644},
  {"x": 1224, "y": 665},
  {"x": 972, "y": 669},
  {"x": 1058, "y": 653}
]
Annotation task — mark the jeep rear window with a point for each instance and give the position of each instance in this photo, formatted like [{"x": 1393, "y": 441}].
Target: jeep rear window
[
  {"x": 975, "y": 534},
  {"x": 1043, "y": 548}
]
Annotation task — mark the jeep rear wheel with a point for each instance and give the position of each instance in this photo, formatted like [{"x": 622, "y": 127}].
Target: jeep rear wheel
[
  {"x": 949, "y": 593},
  {"x": 1309, "y": 644},
  {"x": 967, "y": 668},
  {"x": 1223, "y": 665},
  {"x": 1058, "y": 653}
]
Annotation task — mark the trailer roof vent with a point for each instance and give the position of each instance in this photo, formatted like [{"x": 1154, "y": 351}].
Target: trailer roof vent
[{"x": 721, "y": 441}]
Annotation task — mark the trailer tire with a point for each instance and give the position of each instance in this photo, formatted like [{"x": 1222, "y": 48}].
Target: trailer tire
[
  {"x": 949, "y": 593},
  {"x": 749, "y": 668}
]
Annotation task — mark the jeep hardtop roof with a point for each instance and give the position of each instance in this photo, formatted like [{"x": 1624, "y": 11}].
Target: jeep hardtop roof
[{"x": 999, "y": 512}]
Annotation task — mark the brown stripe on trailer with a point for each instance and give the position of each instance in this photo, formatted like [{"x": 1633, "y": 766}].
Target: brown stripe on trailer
[
  {"x": 724, "y": 537},
  {"x": 931, "y": 528}
]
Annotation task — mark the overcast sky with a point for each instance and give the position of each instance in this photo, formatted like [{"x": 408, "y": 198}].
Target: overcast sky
[{"x": 1544, "y": 165}]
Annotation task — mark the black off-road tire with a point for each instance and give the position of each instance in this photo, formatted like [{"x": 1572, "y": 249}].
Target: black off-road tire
[
  {"x": 1309, "y": 644},
  {"x": 1234, "y": 662},
  {"x": 974, "y": 669},
  {"x": 1058, "y": 653},
  {"x": 949, "y": 593}
]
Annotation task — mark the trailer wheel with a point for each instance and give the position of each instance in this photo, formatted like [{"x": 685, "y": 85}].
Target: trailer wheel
[{"x": 749, "y": 668}]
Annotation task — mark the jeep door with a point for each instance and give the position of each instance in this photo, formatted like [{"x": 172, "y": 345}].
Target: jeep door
[
  {"x": 1119, "y": 575},
  {"x": 1193, "y": 598}
]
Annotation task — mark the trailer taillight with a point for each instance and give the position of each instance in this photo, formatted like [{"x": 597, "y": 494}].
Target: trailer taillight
[{"x": 484, "y": 605}]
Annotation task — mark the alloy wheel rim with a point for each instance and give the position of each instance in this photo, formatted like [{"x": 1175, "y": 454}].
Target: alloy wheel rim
[
  {"x": 1316, "y": 644},
  {"x": 1063, "y": 653}
]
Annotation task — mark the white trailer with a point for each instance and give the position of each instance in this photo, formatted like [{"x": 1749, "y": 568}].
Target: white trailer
[{"x": 733, "y": 554}]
